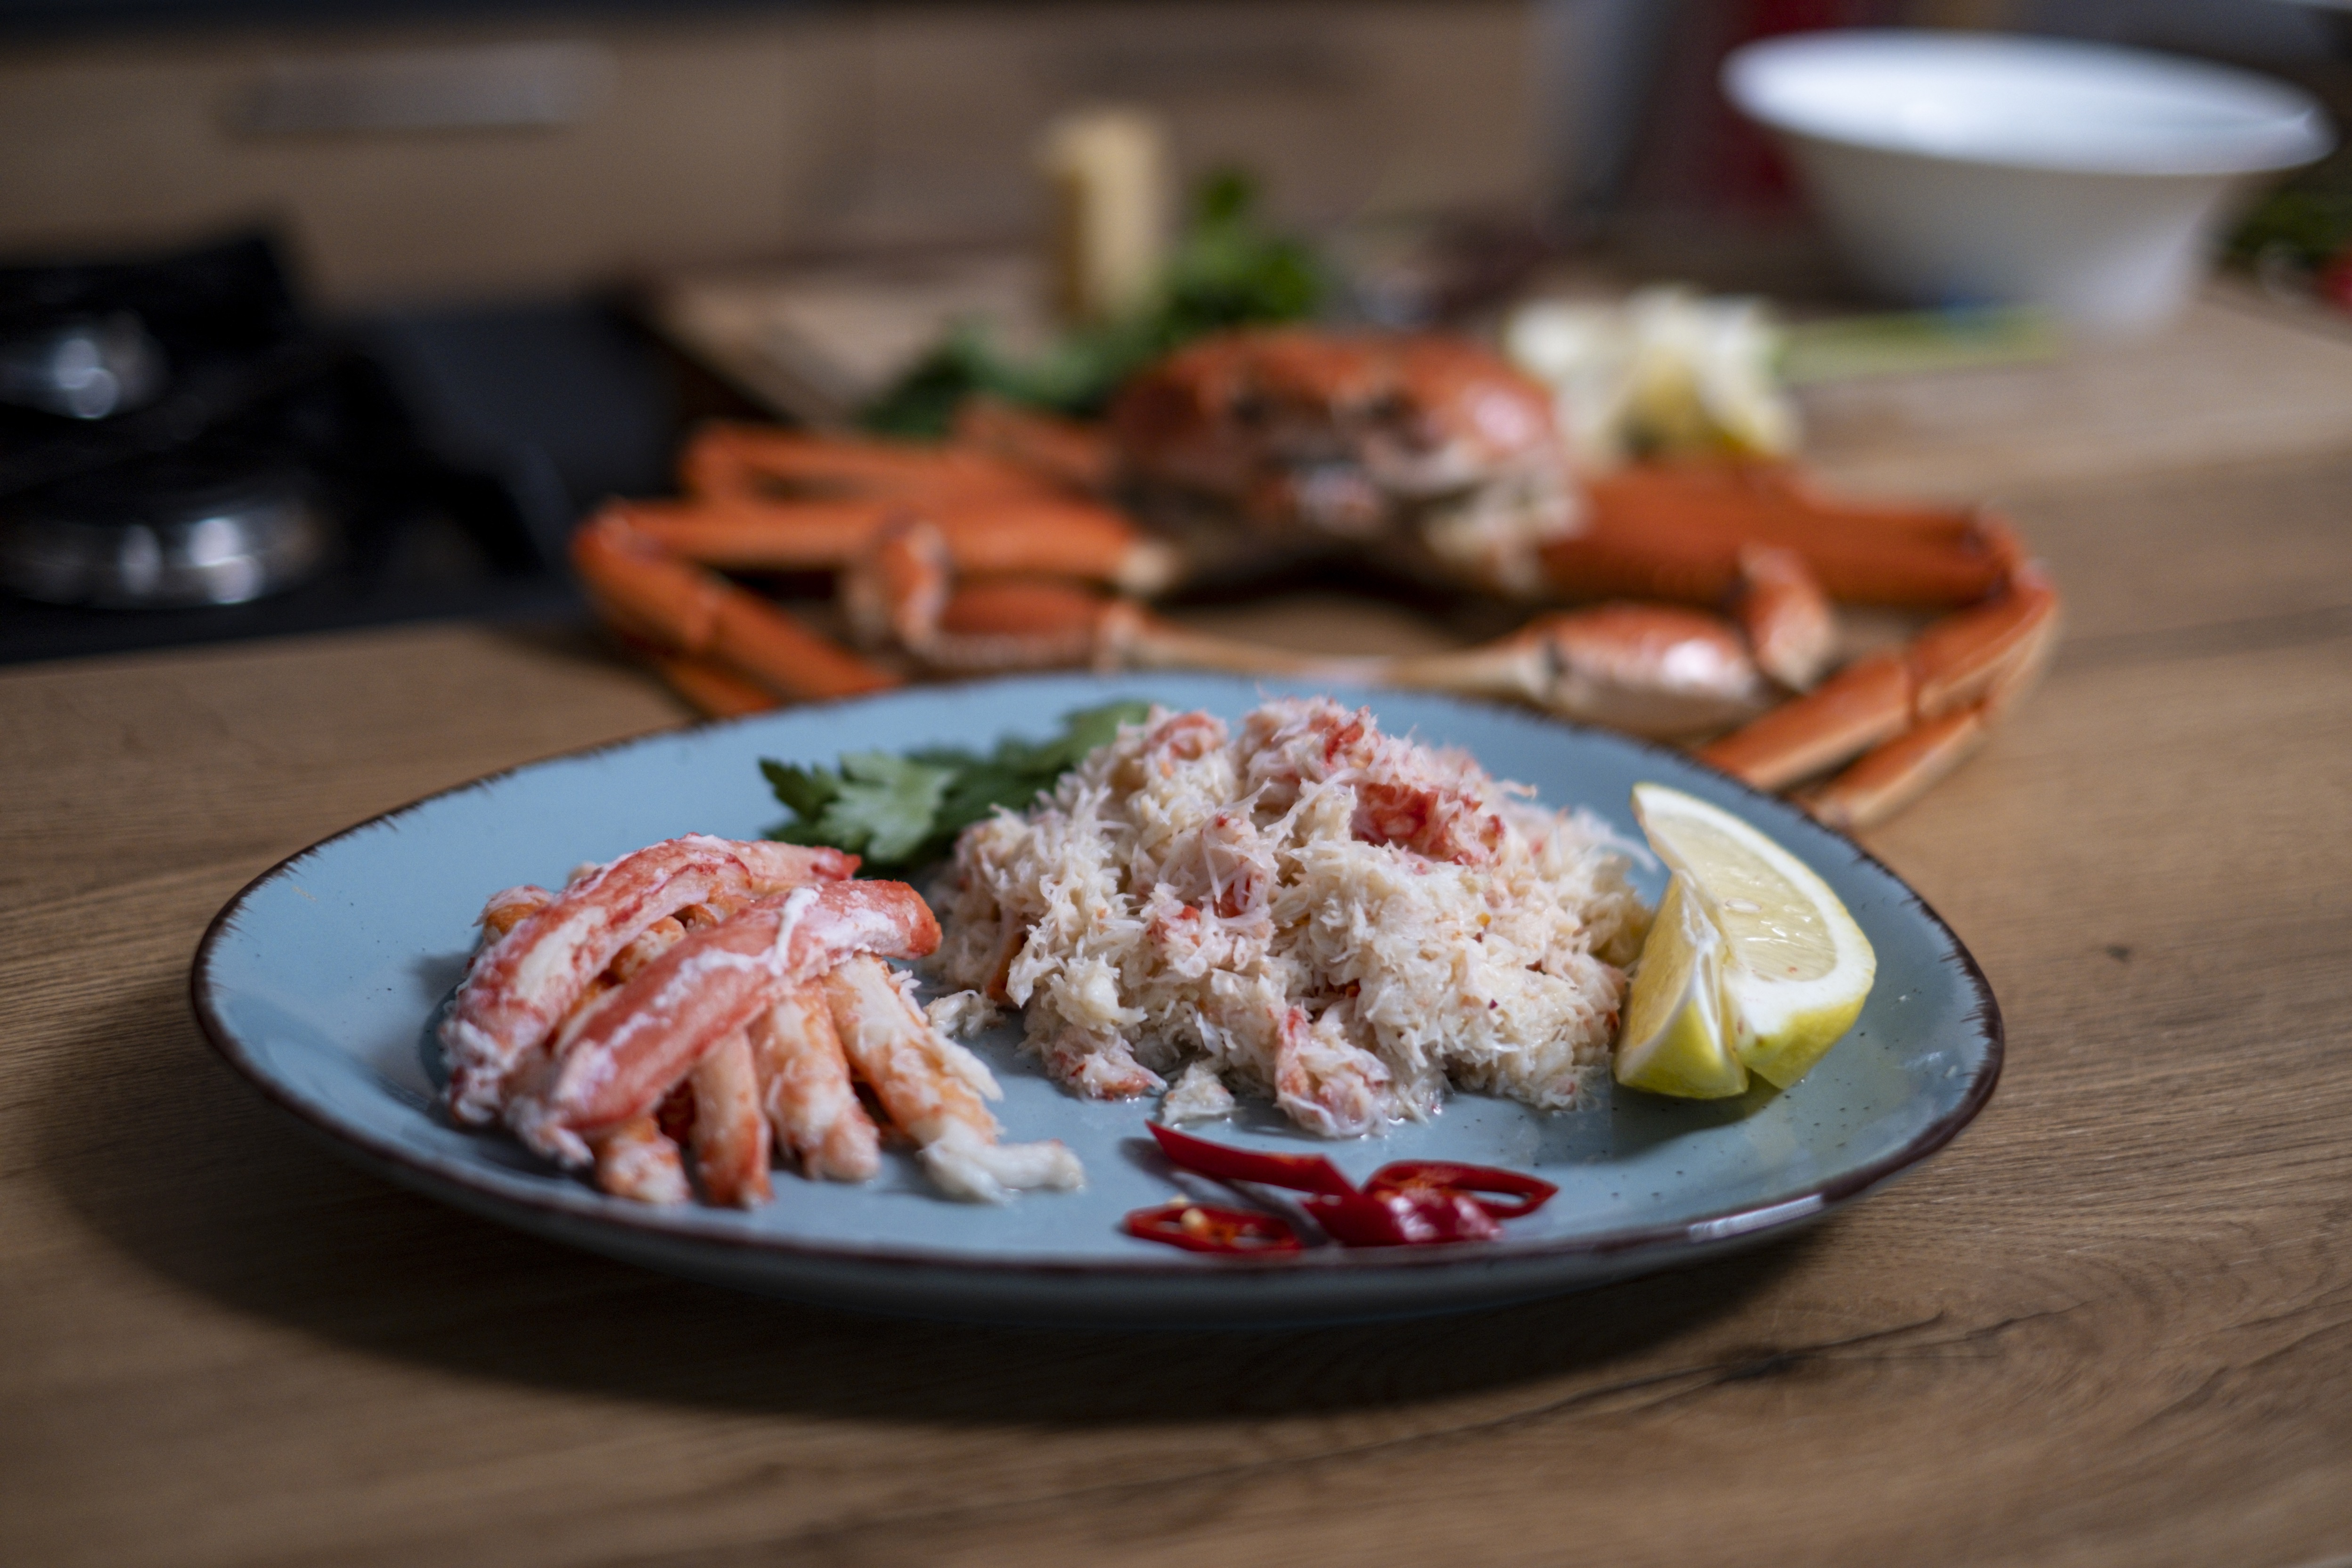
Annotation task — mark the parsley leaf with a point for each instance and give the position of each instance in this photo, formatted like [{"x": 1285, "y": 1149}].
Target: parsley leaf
[{"x": 900, "y": 812}]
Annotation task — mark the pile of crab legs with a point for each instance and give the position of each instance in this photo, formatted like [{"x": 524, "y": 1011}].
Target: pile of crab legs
[
  {"x": 1002, "y": 549},
  {"x": 726, "y": 999}
]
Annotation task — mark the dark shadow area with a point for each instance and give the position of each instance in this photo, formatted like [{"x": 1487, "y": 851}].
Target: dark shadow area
[{"x": 185, "y": 1169}]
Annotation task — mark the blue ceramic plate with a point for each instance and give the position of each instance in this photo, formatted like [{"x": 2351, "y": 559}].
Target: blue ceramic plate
[{"x": 323, "y": 980}]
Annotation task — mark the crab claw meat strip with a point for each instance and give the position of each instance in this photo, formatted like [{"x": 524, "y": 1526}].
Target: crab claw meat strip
[
  {"x": 933, "y": 1089},
  {"x": 525, "y": 982},
  {"x": 1343, "y": 920},
  {"x": 730, "y": 1129},
  {"x": 508, "y": 909},
  {"x": 617, "y": 1060},
  {"x": 811, "y": 1101},
  {"x": 637, "y": 1161}
]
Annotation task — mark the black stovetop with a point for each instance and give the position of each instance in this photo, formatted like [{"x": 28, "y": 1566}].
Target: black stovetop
[{"x": 456, "y": 448}]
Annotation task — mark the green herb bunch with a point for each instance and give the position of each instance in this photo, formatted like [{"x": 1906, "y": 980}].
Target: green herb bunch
[
  {"x": 1228, "y": 270},
  {"x": 901, "y": 812}
]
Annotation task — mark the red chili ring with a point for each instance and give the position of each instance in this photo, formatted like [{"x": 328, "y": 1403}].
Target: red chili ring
[
  {"x": 1298, "y": 1173},
  {"x": 1211, "y": 1227},
  {"x": 1532, "y": 1192}
]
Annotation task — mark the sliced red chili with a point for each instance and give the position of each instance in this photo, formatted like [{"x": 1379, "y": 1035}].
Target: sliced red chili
[
  {"x": 1531, "y": 1192},
  {"x": 1406, "y": 1203},
  {"x": 1210, "y": 1227},
  {"x": 1404, "y": 1217},
  {"x": 1296, "y": 1172}
]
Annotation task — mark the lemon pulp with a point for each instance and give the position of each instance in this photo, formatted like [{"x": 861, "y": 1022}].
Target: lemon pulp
[{"x": 1758, "y": 966}]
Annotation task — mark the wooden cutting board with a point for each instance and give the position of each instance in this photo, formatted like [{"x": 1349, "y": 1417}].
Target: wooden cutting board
[{"x": 2237, "y": 378}]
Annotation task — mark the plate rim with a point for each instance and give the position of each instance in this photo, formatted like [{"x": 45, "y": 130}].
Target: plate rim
[{"x": 694, "y": 1225}]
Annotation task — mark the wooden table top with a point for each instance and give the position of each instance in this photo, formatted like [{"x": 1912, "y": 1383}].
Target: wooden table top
[{"x": 2113, "y": 1322}]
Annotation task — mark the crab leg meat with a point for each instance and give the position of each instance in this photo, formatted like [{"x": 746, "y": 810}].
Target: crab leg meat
[
  {"x": 804, "y": 1081},
  {"x": 637, "y": 1161},
  {"x": 505, "y": 910},
  {"x": 730, "y": 1132},
  {"x": 522, "y": 984},
  {"x": 933, "y": 1088},
  {"x": 616, "y": 1063}
]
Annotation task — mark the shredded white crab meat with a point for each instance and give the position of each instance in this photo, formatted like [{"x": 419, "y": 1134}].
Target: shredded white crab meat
[{"x": 1342, "y": 919}]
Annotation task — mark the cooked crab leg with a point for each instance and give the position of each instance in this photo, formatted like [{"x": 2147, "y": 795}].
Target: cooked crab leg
[
  {"x": 1782, "y": 612},
  {"x": 933, "y": 1088},
  {"x": 766, "y": 463},
  {"x": 898, "y": 585},
  {"x": 1040, "y": 532},
  {"x": 1654, "y": 670},
  {"x": 1677, "y": 533},
  {"x": 1892, "y": 777},
  {"x": 1063, "y": 452},
  {"x": 712, "y": 687},
  {"x": 617, "y": 1061},
  {"x": 696, "y": 612},
  {"x": 901, "y": 592},
  {"x": 730, "y": 1133},
  {"x": 805, "y": 1087},
  {"x": 1867, "y": 702},
  {"x": 1917, "y": 713},
  {"x": 520, "y": 985}
]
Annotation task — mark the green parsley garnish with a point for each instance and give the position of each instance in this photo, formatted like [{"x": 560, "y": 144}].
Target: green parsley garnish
[
  {"x": 1227, "y": 271},
  {"x": 905, "y": 811}
]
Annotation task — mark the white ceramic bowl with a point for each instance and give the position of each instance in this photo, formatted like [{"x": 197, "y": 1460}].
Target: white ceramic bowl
[{"x": 1967, "y": 169}]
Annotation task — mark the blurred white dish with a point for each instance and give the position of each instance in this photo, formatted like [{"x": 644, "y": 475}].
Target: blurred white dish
[{"x": 1957, "y": 169}]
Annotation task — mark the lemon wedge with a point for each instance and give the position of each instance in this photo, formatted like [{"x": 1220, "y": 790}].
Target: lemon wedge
[{"x": 1752, "y": 964}]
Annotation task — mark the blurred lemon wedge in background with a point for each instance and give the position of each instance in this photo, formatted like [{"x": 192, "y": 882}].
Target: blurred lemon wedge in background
[{"x": 1752, "y": 964}]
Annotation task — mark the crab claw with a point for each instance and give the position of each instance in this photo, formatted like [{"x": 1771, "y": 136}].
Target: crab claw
[
  {"x": 1654, "y": 670},
  {"x": 1911, "y": 716}
]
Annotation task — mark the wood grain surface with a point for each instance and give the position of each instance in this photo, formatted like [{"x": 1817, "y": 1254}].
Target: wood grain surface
[{"x": 2112, "y": 1323}]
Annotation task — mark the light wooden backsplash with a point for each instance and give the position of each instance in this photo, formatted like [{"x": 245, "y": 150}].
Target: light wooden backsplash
[{"x": 450, "y": 163}]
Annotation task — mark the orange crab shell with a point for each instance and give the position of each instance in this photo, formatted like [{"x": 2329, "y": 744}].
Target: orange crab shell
[{"x": 1215, "y": 416}]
